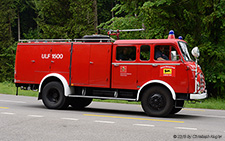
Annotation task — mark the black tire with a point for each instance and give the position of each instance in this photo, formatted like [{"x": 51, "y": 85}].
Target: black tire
[
  {"x": 180, "y": 104},
  {"x": 53, "y": 96},
  {"x": 157, "y": 101},
  {"x": 80, "y": 103}
]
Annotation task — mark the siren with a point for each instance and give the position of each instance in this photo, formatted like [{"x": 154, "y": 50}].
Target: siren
[
  {"x": 171, "y": 35},
  {"x": 180, "y": 37}
]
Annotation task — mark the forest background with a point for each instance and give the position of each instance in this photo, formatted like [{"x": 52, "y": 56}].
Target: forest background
[{"x": 200, "y": 22}]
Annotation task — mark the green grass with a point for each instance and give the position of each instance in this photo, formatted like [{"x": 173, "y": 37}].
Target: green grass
[
  {"x": 209, "y": 103},
  {"x": 10, "y": 88}
]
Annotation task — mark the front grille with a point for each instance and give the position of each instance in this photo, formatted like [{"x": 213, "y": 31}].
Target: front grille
[{"x": 202, "y": 84}]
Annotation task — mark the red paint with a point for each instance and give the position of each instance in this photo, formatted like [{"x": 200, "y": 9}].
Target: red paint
[{"x": 95, "y": 65}]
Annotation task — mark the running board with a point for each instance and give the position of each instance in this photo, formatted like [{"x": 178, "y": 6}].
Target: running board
[{"x": 99, "y": 97}]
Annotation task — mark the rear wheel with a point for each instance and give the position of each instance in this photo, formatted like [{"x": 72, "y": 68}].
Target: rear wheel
[
  {"x": 53, "y": 96},
  {"x": 157, "y": 101},
  {"x": 80, "y": 103}
]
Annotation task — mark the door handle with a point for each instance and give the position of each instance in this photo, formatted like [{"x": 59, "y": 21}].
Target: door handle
[
  {"x": 33, "y": 61},
  {"x": 52, "y": 61},
  {"x": 116, "y": 65},
  {"x": 154, "y": 65},
  {"x": 91, "y": 62}
]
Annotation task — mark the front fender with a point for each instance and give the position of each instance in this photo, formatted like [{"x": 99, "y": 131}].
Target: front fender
[{"x": 149, "y": 83}]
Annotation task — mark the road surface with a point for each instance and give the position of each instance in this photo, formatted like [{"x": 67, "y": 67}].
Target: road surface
[{"x": 25, "y": 118}]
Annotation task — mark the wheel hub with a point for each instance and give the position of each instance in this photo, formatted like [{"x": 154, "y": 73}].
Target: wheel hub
[
  {"x": 156, "y": 101},
  {"x": 53, "y": 95}
]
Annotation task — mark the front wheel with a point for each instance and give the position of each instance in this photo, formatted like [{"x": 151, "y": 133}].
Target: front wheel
[
  {"x": 53, "y": 96},
  {"x": 157, "y": 101}
]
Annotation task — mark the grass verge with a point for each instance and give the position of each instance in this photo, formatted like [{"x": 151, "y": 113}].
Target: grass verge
[
  {"x": 209, "y": 103},
  {"x": 10, "y": 88}
]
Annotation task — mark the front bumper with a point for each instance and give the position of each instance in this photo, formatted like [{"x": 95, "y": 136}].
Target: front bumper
[{"x": 198, "y": 96}]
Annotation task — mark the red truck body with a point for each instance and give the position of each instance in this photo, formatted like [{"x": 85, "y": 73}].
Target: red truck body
[{"x": 81, "y": 71}]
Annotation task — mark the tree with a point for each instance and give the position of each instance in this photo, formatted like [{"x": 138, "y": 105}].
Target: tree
[
  {"x": 95, "y": 7},
  {"x": 126, "y": 13},
  {"x": 65, "y": 18},
  {"x": 104, "y": 10},
  {"x": 7, "y": 51}
]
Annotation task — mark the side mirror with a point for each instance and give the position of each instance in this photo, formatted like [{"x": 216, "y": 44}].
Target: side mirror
[
  {"x": 195, "y": 52},
  {"x": 175, "y": 56}
]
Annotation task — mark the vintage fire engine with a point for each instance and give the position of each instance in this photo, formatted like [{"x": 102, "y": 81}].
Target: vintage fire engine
[{"x": 158, "y": 72}]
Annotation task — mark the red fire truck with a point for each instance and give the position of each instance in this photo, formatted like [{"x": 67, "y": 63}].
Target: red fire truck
[{"x": 158, "y": 72}]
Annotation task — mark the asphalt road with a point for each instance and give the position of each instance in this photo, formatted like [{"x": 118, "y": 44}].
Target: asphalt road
[{"x": 26, "y": 118}]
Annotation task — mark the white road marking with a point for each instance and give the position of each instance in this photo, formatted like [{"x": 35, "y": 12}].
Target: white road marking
[
  {"x": 101, "y": 121},
  {"x": 35, "y": 116},
  {"x": 69, "y": 118},
  {"x": 12, "y": 101},
  {"x": 119, "y": 117},
  {"x": 186, "y": 128},
  {"x": 6, "y": 113},
  {"x": 147, "y": 125}
]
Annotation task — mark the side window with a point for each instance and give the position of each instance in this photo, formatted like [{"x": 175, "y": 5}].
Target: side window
[
  {"x": 166, "y": 52},
  {"x": 145, "y": 53},
  {"x": 127, "y": 53},
  {"x": 162, "y": 52}
]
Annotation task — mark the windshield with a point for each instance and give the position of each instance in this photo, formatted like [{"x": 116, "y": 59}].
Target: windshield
[{"x": 184, "y": 50}]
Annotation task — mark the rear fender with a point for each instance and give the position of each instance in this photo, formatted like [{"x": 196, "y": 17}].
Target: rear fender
[{"x": 67, "y": 89}]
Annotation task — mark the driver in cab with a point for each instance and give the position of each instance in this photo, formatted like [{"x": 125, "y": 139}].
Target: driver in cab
[{"x": 159, "y": 54}]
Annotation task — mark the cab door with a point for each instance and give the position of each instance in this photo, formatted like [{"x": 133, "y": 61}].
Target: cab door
[
  {"x": 124, "y": 67},
  {"x": 145, "y": 65},
  {"x": 170, "y": 69}
]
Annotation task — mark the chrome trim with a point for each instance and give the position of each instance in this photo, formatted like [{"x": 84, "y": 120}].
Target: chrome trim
[
  {"x": 99, "y": 97},
  {"x": 45, "y": 40},
  {"x": 199, "y": 96},
  {"x": 95, "y": 39},
  {"x": 148, "y": 64}
]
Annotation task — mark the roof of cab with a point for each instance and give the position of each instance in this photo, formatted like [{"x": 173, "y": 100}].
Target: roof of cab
[{"x": 147, "y": 41}]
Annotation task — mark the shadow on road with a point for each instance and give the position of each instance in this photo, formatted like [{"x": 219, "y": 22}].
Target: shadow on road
[
  {"x": 114, "y": 111},
  {"x": 132, "y": 113},
  {"x": 117, "y": 112},
  {"x": 183, "y": 116}
]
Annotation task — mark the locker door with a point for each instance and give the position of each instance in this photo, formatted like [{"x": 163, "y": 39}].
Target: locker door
[
  {"x": 80, "y": 64},
  {"x": 100, "y": 61}
]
